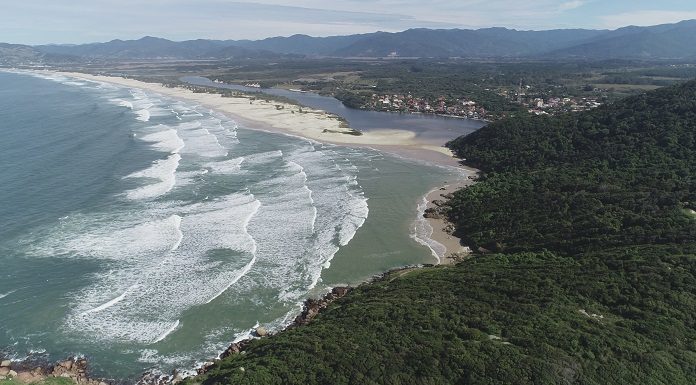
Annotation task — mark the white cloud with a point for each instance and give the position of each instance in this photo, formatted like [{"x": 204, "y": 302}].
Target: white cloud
[
  {"x": 645, "y": 18},
  {"x": 567, "y": 6},
  {"x": 41, "y": 21}
]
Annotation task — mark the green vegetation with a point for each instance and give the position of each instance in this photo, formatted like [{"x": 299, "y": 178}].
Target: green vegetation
[
  {"x": 618, "y": 175},
  {"x": 594, "y": 281},
  {"x": 446, "y": 85},
  {"x": 531, "y": 318},
  {"x": 47, "y": 381}
]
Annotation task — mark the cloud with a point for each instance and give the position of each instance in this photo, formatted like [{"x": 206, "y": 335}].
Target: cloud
[
  {"x": 75, "y": 21},
  {"x": 567, "y": 6},
  {"x": 645, "y": 18}
]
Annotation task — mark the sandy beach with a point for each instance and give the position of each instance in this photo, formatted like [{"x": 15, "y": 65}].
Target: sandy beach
[
  {"x": 291, "y": 119},
  {"x": 441, "y": 227},
  {"x": 320, "y": 126}
]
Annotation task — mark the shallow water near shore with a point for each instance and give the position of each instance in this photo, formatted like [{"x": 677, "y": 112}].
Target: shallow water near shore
[{"x": 148, "y": 233}]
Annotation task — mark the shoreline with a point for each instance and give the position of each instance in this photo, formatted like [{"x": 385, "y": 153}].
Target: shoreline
[
  {"x": 312, "y": 124},
  {"x": 440, "y": 228},
  {"x": 257, "y": 114},
  {"x": 322, "y": 127}
]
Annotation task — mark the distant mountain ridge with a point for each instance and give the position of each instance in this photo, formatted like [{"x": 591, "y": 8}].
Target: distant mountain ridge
[
  {"x": 666, "y": 41},
  {"x": 150, "y": 47}
]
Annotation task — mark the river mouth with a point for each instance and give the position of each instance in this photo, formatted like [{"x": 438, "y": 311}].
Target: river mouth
[{"x": 431, "y": 129}]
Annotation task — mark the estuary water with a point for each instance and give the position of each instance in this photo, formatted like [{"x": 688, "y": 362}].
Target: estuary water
[
  {"x": 432, "y": 129},
  {"x": 147, "y": 233}
]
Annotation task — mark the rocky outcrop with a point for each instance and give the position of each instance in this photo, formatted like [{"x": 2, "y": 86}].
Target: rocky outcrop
[
  {"x": 433, "y": 213},
  {"x": 312, "y": 307},
  {"x": 74, "y": 369}
]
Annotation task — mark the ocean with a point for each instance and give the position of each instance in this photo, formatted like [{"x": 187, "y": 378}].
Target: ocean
[{"x": 146, "y": 233}]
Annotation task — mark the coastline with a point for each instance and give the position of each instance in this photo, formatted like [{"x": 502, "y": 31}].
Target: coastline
[
  {"x": 256, "y": 113},
  {"x": 284, "y": 118},
  {"x": 439, "y": 238},
  {"x": 320, "y": 126}
]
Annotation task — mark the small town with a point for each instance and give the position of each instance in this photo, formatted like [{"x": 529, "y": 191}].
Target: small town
[
  {"x": 442, "y": 106},
  {"x": 466, "y": 108}
]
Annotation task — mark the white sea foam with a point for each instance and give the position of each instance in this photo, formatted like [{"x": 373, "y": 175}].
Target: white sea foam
[
  {"x": 167, "y": 332},
  {"x": 180, "y": 235},
  {"x": 163, "y": 170},
  {"x": 143, "y": 115},
  {"x": 162, "y": 257},
  {"x": 423, "y": 231},
  {"x": 165, "y": 280},
  {"x": 122, "y": 103},
  {"x": 112, "y": 302},
  {"x": 200, "y": 140},
  {"x": 263, "y": 157},
  {"x": 166, "y": 140},
  {"x": 226, "y": 167},
  {"x": 241, "y": 273},
  {"x": 6, "y": 294},
  {"x": 110, "y": 237}
]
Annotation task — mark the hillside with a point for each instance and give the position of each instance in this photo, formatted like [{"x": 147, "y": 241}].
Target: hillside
[
  {"x": 668, "y": 41},
  {"x": 489, "y": 42},
  {"x": 594, "y": 282},
  {"x": 619, "y": 175},
  {"x": 157, "y": 48},
  {"x": 11, "y": 54}
]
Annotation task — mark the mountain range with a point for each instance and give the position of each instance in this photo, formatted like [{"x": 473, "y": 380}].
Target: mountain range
[{"x": 666, "y": 41}]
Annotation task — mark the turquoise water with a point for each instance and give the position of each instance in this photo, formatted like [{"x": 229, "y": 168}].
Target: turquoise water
[{"x": 147, "y": 233}]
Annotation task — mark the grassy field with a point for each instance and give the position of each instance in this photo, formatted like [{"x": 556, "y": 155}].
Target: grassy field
[{"x": 627, "y": 87}]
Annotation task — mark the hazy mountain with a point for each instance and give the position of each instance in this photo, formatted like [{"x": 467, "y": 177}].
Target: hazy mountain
[
  {"x": 489, "y": 42},
  {"x": 156, "y": 48},
  {"x": 302, "y": 44},
  {"x": 661, "y": 41},
  {"x": 16, "y": 53},
  {"x": 672, "y": 41}
]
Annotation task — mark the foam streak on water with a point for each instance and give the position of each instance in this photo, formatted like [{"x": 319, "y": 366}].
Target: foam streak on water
[
  {"x": 422, "y": 231},
  {"x": 209, "y": 219}
]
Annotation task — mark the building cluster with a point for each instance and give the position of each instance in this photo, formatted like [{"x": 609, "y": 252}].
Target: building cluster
[
  {"x": 550, "y": 106},
  {"x": 443, "y": 106}
]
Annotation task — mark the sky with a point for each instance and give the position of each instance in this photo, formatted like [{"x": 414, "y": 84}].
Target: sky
[{"x": 82, "y": 21}]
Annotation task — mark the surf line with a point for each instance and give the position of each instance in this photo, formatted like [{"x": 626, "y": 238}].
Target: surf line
[{"x": 110, "y": 303}]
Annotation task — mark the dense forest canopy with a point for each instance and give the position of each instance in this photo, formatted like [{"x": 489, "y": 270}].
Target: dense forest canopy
[
  {"x": 593, "y": 282},
  {"x": 622, "y": 174}
]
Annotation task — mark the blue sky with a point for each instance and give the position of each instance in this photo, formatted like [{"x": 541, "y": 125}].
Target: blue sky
[{"x": 80, "y": 21}]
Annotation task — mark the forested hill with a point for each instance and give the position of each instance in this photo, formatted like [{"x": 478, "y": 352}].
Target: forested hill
[
  {"x": 593, "y": 282},
  {"x": 622, "y": 174}
]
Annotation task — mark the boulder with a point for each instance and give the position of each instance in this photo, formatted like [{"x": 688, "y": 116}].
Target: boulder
[
  {"x": 4, "y": 370},
  {"x": 261, "y": 331},
  {"x": 340, "y": 291},
  {"x": 66, "y": 364},
  {"x": 5, "y": 363},
  {"x": 12, "y": 373},
  {"x": 29, "y": 378},
  {"x": 431, "y": 214}
]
